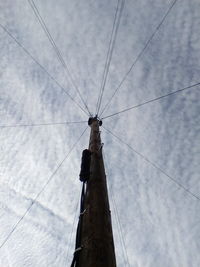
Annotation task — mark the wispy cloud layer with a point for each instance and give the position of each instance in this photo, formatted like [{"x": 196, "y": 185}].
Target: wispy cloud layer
[{"x": 158, "y": 221}]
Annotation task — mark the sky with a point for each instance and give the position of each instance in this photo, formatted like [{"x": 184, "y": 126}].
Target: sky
[{"x": 151, "y": 154}]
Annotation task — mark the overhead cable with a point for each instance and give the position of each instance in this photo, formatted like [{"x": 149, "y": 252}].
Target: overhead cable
[
  {"x": 118, "y": 223},
  {"x": 56, "y": 49},
  {"x": 120, "y": 229},
  {"x": 107, "y": 56},
  {"x": 138, "y": 56},
  {"x": 113, "y": 37},
  {"x": 42, "y": 124},
  {"x": 72, "y": 229},
  {"x": 155, "y": 166},
  {"x": 152, "y": 100},
  {"x": 40, "y": 192},
  {"x": 43, "y": 68}
]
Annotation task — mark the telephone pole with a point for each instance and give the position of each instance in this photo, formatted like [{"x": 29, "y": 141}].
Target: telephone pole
[{"x": 94, "y": 241}]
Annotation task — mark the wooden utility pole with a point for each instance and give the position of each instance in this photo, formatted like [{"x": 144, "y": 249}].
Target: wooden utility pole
[{"x": 96, "y": 238}]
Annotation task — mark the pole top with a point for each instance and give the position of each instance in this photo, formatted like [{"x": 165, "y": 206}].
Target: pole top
[{"x": 92, "y": 119}]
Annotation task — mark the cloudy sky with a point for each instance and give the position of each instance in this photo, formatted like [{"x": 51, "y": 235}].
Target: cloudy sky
[{"x": 155, "y": 221}]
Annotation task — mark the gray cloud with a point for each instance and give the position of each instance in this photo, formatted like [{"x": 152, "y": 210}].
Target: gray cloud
[{"x": 159, "y": 221}]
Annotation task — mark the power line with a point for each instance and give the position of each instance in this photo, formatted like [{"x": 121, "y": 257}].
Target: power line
[
  {"x": 118, "y": 223},
  {"x": 72, "y": 229},
  {"x": 43, "y": 68},
  {"x": 110, "y": 51},
  {"x": 120, "y": 229},
  {"x": 152, "y": 100},
  {"x": 56, "y": 49},
  {"x": 155, "y": 166},
  {"x": 43, "y": 188},
  {"x": 41, "y": 124},
  {"x": 111, "y": 48},
  {"x": 139, "y": 55}
]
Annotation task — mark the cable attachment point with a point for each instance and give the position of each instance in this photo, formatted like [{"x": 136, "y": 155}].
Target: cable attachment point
[
  {"x": 100, "y": 148},
  {"x": 96, "y": 118},
  {"x": 78, "y": 249},
  {"x": 82, "y": 213}
]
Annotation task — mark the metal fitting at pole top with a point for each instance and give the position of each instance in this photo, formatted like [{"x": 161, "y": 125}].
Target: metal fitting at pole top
[{"x": 92, "y": 119}]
